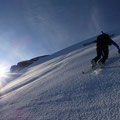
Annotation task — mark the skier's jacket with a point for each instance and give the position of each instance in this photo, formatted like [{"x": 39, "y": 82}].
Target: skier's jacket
[{"x": 103, "y": 41}]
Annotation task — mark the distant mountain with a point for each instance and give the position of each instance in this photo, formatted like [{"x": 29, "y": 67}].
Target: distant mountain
[{"x": 21, "y": 65}]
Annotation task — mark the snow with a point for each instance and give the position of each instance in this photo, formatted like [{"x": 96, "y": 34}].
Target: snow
[{"x": 55, "y": 88}]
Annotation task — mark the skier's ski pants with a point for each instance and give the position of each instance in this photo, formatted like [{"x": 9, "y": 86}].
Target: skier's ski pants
[{"x": 102, "y": 52}]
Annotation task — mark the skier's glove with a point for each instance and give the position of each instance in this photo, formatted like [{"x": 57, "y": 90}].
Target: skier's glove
[{"x": 119, "y": 51}]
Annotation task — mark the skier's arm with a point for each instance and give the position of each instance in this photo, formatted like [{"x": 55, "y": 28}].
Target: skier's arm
[
  {"x": 89, "y": 43},
  {"x": 115, "y": 44}
]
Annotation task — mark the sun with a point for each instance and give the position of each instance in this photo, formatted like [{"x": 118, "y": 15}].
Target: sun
[
  {"x": 3, "y": 74},
  {"x": 3, "y": 71}
]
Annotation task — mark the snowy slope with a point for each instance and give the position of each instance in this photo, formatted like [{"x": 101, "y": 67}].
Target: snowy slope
[{"x": 54, "y": 88}]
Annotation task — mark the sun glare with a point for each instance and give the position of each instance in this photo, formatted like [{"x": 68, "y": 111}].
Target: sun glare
[
  {"x": 3, "y": 71},
  {"x": 3, "y": 75}
]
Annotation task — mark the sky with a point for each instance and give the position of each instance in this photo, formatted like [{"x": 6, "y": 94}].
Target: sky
[{"x": 31, "y": 28}]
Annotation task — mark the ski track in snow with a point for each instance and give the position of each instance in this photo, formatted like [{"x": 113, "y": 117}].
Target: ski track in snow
[{"x": 57, "y": 90}]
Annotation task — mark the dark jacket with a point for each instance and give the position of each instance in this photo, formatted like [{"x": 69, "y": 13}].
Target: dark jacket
[{"x": 103, "y": 41}]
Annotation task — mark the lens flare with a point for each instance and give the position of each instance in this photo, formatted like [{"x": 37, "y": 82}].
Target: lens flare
[
  {"x": 3, "y": 75},
  {"x": 2, "y": 72}
]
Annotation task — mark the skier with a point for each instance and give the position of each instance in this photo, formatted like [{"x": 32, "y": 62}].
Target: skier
[{"x": 103, "y": 42}]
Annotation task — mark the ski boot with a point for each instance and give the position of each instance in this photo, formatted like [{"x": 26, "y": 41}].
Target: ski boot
[
  {"x": 93, "y": 64},
  {"x": 100, "y": 64}
]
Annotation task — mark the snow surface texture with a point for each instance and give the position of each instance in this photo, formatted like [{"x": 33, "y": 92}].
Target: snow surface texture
[{"x": 55, "y": 88}]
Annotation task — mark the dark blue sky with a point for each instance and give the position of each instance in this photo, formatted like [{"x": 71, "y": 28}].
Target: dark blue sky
[{"x": 30, "y": 28}]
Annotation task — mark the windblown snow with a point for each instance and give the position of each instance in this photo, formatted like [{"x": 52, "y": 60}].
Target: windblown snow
[{"x": 64, "y": 87}]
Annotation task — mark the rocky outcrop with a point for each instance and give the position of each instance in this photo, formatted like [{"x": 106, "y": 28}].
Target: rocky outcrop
[{"x": 21, "y": 65}]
